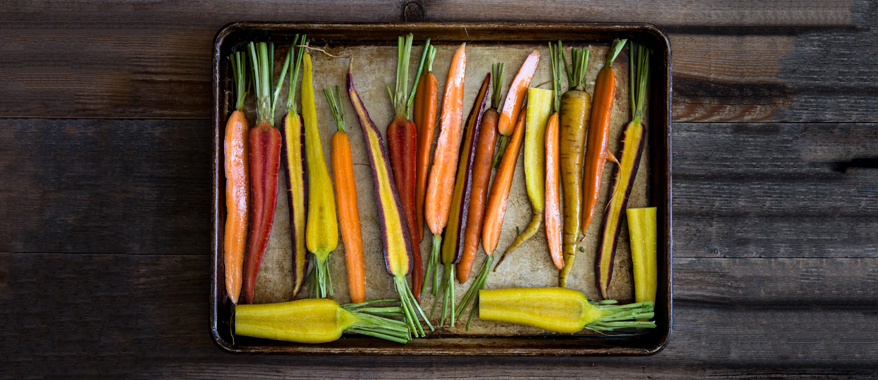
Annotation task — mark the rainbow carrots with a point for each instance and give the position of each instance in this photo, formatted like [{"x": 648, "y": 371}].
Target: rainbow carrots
[
  {"x": 452, "y": 246},
  {"x": 402, "y": 144},
  {"x": 346, "y": 200},
  {"x": 515, "y": 98},
  {"x": 632, "y": 144},
  {"x": 426, "y": 104},
  {"x": 539, "y": 106},
  {"x": 481, "y": 176},
  {"x": 598, "y": 137},
  {"x": 265, "y": 143},
  {"x": 397, "y": 243},
  {"x": 321, "y": 231},
  {"x": 293, "y": 151},
  {"x": 553, "y": 192},
  {"x": 575, "y": 112},
  {"x": 495, "y": 212},
  {"x": 441, "y": 182},
  {"x": 237, "y": 171}
]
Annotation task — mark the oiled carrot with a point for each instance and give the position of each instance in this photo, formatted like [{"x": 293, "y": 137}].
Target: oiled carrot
[
  {"x": 514, "y": 99},
  {"x": 500, "y": 190},
  {"x": 481, "y": 177},
  {"x": 441, "y": 181},
  {"x": 237, "y": 171},
  {"x": 346, "y": 199},
  {"x": 553, "y": 205},
  {"x": 426, "y": 106},
  {"x": 597, "y": 154}
]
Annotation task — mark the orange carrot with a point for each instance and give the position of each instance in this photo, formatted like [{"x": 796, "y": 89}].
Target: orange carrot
[
  {"x": 494, "y": 215},
  {"x": 237, "y": 170},
  {"x": 481, "y": 176},
  {"x": 514, "y": 99},
  {"x": 426, "y": 105},
  {"x": 346, "y": 199},
  {"x": 553, "y": 194},
  {"x": 441, "y": 182},
  {"x": 597, "y": 154}
]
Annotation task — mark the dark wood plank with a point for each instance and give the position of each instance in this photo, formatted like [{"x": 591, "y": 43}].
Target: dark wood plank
[
  {"x": 111, "y": 315},
  {"x": 105, "y": 186},
  {"x": 799, "y": 61},
  {"x": 775, "y": 190}
]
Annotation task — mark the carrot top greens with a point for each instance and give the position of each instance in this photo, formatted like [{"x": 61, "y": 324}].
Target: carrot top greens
[
  {"x": 262, "y": 60},
  {"x": 497, "y": 72},
  {"x": 239, "y": 69},
  {"x": 400, "y": 96},
  {"x": 579, "y": 61},
  {"x": 294, "y": 73},
  {"x": 638, "y": 92}
]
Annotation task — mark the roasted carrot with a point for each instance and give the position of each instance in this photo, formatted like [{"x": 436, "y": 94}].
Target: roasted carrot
[
  {"x": 441, "y": 182},
  {"x": 575, "y": 113},
  {"x": 598, "y": 137},
  {"x": 481, "y": 176},
  {"x": 402, "y": 144},
  {"x": 293, "y": 151},
  {"x": 265, "y": 143},
  {"x": 452, "y": 245},
  {"x": 494, "y": 214},
  {"x": 426, "y": 105},
  {"x": 237, "y": 171},
  {"x": 321, "y": 231},
  {"x": 624, "y": 174},
  {"x": 397, "y": 243},
  {"x": 346, "y": 200},
  {"x": 553, "y": 191},
  {"x": 514, "y": 100}
]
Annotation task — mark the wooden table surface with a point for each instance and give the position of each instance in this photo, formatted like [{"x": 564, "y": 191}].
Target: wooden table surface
[{"x": 105, "y": 152}]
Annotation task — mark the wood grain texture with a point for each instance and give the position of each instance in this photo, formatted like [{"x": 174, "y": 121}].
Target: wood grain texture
[
  {"x": 147, "y": 314},
  {"x": 785, "y": 61}
]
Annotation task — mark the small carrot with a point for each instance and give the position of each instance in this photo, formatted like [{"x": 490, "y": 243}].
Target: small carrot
[
  {"x": 553, "y": 191},
  {"x": 575, "y": 113},
  {"x": 441, "y": 182},
  {"x": 452, "y": 245},
  {"x": 346, "y": 199},
  {"x": 426, "y": 105},
  {"x": 481, "y": 177},
  {"x": 598, "y": 138},
  {"x": 265, "y": 145},
  {"x": 514, "y": 99},
  {"x": 494, "y": 214},
  {"x": 321, "y": 231},
  {"x": 402, "y": 144},
  {"x": 293, "y": 151},
  {"x": 237, "y": 171},
  {"x": 539, "y": 107}
]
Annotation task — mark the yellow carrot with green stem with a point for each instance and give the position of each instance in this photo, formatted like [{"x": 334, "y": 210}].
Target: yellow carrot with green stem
[{"x": 321, "y": 232}]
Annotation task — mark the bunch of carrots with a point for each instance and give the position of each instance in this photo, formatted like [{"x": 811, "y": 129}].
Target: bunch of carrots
[{"x": 565, "y": 137}]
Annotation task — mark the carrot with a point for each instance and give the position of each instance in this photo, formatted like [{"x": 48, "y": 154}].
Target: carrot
[
  {"x": 346, "y": 200},
  {"x": 237, "y": 171},
  {"x": 402, "y": 144},
  {"x": 494, "y": 213},
  {"x": 265, "y": 145},
  {"x": 553, "y": 195},
  {"x": 539, "y": 107},
  {"x": 321, "y": 231},
  {"x": 597, "y": 154},
  {"x": 514, "y": 99},
  {"x": 481, "y": 176},
  {"x": 426, "y": 104},
  {"x": 397, "y": 243},
  {"x": 575, "y": 112},
  {"x": 293, "y": 151},
  {"x": 452, "y": 245},
  {"x": 441, "y": 182}
]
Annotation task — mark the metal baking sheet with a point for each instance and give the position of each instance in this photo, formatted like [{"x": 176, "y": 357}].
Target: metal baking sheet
[{"x": 372, "y": 50}]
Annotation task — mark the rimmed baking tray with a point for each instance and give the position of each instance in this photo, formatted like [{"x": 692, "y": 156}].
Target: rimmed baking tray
[{"x": 485, "y": 36}]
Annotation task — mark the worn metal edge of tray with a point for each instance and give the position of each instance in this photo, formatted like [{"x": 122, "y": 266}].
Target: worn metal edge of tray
[{"x": 567, "y": 345}]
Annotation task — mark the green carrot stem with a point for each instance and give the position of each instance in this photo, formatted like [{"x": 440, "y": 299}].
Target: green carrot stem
[
  {"x": 433, "y": 264},
  {"x": 472, "y": 294},
  {"x": 262, "y": 58},
  {"x": 497, "y": 70},
  {"x": 400, "y": 96},
  {"x": 424, "y": 56},
  {"x": 294, "y": 75},
  {"x": 410, "y": 306},
  {"x": 615, "y": 49},
  {"x": 500, "y": 149},
  {"x": 239, "y": 69},
  {"x": 335, "y": 107}
]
